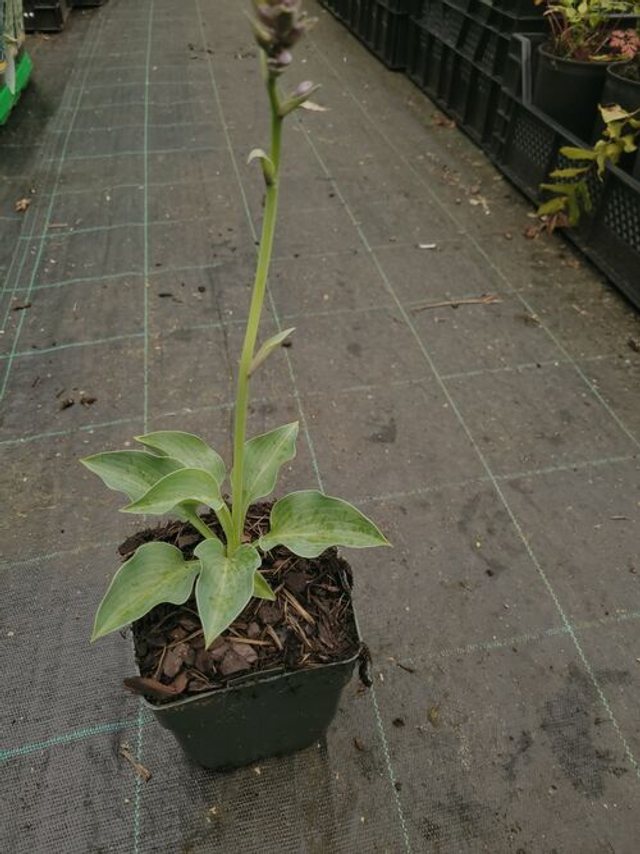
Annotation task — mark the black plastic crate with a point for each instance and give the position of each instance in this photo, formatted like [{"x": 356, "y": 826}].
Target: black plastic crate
[
  {"x": 361, "y": 18},
  {"x": 610, "y": 234},
  {"x": 478, "y": 31},
  {"x": 457, "y": 85},
  {"x": 389, "y": 37},
  {"x": 417, "y": 39},
  {"x": 45, "y": 17},
  {"x": 341, "y": 9},
  {"x": 384, "y": 31}
]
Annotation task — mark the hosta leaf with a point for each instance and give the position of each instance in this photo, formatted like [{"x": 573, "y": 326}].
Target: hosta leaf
[
  {"x": 224, "y": 586},
  {"x": 263, "y": 457},
  {"x": 156, "y": 573},
  {"x": 262, "y": 588},
  {"x": 192, "y": 486},
  {"x": 309, "y": 522},
  {"x": 192, "y": 451},
  {"x": 131, "y": 472},
  {"x": 268, "y": 347}
]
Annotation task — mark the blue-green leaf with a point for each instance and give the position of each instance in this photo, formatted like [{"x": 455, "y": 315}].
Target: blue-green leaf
[
  {"x": 191, "y": 486},
  {"x": 225, "y": 585},
  {"x": 262, "y": 588},
  {"x": 131, "y": 472},
  {"x": 156, "y": 573},
  {"x": 268, "y": 347},
  {"x": 309, "y": 522},
  {"x": 192, "y": 451},
  {"x": 263, "y": 457}
]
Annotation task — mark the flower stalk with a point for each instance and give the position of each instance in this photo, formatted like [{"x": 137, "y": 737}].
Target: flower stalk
[{"x": 253, "y": 322}]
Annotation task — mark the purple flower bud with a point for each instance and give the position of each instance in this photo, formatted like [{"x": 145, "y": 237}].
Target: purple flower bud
[
  {"x": 302, "y": 89},
  {"x": 278, "y": 25}
]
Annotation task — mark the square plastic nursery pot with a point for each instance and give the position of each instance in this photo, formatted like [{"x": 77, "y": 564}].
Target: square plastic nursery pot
[{"x": 260, "y": 716}]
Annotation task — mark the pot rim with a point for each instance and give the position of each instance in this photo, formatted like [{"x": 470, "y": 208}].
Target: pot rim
[
  {"x": 256, "y": 678},
  {"x": 546, "y": 51},
  {"x": 614, "y": 67}
]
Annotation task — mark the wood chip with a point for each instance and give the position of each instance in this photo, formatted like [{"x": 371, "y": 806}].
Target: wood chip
[
  {"x": 250, "y": 641},
  {"x": 141, "y": 771},
  {"x": 298, "y": 607},
  {"x": 485, "y": 299},
  {"x": 270, "y": 630}
]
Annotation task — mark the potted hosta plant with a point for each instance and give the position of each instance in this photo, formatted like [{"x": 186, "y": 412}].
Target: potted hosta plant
[
  {"x": 242, "y": 619},
  {"x": 571, "y": 67}
]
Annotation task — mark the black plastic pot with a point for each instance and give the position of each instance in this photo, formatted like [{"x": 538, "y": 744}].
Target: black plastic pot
[
  {"x": 569, "y": 91},
  {"x": 257, "y": 717},
  {"x": 621, "y": 90},
  {"x": 625, "y": 92}
]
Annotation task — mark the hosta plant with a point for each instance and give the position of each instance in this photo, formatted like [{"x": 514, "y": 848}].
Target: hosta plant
[{"x": 175, "y": 472}]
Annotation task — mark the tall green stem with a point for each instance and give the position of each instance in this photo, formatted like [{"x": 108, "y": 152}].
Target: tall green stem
[{"x": 253, "y": 322}]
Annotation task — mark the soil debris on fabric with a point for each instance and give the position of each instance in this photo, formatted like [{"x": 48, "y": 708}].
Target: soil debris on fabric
[{"x": 309, "y": 624}]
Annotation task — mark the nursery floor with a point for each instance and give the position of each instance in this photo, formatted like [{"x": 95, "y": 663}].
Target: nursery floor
[{"x": 496, "y": 445}]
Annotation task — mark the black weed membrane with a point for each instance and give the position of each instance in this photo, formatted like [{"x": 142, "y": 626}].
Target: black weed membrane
[{"x": 496, "y": 443}]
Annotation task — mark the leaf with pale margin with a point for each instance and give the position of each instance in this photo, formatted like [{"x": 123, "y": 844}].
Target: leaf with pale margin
[
  {"x": 156, "y": 573},
  {"x": 262, "y": 588},
  {"x": 268, "y": 169},
  {"x": 313, "y": 107},
  {"x": 263, "y": 456},
  {"x": 191, "y": 486},
  {"x": 309, "y": 522},
  {"x": 225, "y": 585},
  {"x": 131, "y": 472},
  {"x": 268, "y": 347},
  {"x": 192, "y": 451}
]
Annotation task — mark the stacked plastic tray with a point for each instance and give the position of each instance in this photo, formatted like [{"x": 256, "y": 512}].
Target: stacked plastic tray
[
  {"x": 526, "y": 147},
  {"x": 458, "y": 54},
  {"x": 381, "y": 25}
]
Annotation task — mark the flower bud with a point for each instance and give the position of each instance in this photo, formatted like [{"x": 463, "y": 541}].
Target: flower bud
[
  {"x": 302, "y": 89},
  {"x": 278, "y": 26}
]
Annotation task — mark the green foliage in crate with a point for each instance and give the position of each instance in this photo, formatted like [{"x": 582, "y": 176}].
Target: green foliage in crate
[
  {"x": 570, "y": 190},
  {"x": 583, "y": 29}
]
